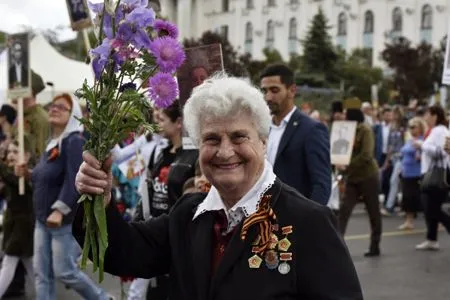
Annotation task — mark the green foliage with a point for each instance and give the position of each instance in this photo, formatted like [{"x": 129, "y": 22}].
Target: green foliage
[
  {"x": 255, "y": 67},
  {"x": 319, "y": 55},
  {"x": 416, "y": 68}
]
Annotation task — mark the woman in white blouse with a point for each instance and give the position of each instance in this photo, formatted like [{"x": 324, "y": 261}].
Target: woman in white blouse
[{"x": 433, "y": 155}]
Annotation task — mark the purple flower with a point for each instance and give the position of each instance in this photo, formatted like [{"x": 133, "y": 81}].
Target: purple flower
[
  {"x": 133, "y": 28},
  {"x": 138, "y": 37},
  {"x": 168, "y": 53},
  {"x": 141, "y": 17},
  {"x": 127, "y": 86},
  {"x": 101, "y": 57},
  {"x": 166, "y": 28},
  {"x": 96, "y": 8},
  {"x": 163, "y": 89}
]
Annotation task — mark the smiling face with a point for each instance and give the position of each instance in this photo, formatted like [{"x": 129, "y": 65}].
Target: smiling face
[
  {"x": 59, "y": 112},
  {"x": 231, "y": 153}
]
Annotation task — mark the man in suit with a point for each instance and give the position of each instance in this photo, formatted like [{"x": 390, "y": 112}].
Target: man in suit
[
  {"x": 18, "y": 68},
  {"x": 298, "y": 147}
]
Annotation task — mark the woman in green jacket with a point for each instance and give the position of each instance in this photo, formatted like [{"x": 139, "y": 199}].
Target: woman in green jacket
[{"x": 362, "y": 181}]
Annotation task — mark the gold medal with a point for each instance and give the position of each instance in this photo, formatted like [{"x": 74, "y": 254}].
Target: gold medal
[
  {"x": 254, "y": 262},
  {"x": 284, "y": 244}
]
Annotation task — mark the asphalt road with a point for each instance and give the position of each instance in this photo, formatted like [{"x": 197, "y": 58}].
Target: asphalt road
[{"x": 399, "y": 273}]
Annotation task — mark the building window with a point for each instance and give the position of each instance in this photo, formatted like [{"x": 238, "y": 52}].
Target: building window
[
  {"x": 342, "y": 24},
  {"x": 368, "y": 22},
  {"x": 271, "y": 3},
  {"x": 250, "y": 4},
  {"x": 292, "y": 42},
  {"x": 397, "y": 20},
  {"x": 225, "y": 5},
  {"x": 224, "y": 31},
  {"x": 427, "y": 17},
  {"x": 293, "y": 2},
  {"x": 270, "y": 38},
  {"x": 248, "y": 37}
]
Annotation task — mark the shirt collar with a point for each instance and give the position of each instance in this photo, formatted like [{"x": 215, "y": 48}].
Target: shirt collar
[
  {"x": 248, "y": 204},
  {"x": 287, "y": 118}
]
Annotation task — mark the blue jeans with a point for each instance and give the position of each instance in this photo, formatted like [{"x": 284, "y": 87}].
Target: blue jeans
[
  {"x": 394, "y": 184},
  {"x": 55, "y": 254}
]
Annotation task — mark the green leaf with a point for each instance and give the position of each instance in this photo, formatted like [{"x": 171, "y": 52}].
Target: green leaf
[
  {"x": 102, "y": 233},
  {"x": 92, "y": 234},
  {"x": 87, "y": 240}
]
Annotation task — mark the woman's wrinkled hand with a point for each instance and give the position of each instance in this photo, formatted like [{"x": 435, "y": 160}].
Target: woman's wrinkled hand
[{"x": 93, "y": 178}]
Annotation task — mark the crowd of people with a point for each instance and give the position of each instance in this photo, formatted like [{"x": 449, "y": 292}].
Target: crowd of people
[{"x": 246, "y": 208}]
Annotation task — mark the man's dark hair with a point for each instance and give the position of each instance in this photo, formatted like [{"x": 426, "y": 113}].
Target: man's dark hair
[{"x": 285, "y": 73}]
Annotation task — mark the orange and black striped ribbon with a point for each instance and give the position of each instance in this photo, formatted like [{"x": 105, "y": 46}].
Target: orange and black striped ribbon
[{"x": 264, "y": 217}]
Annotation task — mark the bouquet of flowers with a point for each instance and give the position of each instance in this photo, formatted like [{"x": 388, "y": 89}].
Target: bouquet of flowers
[{"x": 134, "y": 65}]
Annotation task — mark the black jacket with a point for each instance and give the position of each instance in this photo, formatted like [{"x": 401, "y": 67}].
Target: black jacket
[
  {"x": 321, "y": 267},
  {"x": 182, "y": 168}
]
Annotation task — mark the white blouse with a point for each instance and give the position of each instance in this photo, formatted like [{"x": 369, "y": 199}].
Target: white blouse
[{"x": 433, "y": 149}]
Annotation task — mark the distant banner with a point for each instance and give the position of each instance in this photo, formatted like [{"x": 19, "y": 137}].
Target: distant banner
[
  {"x": 19, "y": 75},
  {"x": 78, "y": 14}
]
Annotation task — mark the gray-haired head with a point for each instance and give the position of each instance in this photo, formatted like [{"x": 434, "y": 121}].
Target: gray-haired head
[{"x": 222, "y": 96}]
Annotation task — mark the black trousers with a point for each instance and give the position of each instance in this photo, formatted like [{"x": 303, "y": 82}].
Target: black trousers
[
  {"x": 432, "y": 205},
  {"x": 17, "y": 286},
  {"x": 367, "y": 190}
]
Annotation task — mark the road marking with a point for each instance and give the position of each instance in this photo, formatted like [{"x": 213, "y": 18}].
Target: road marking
[{"x": 385, "y": 234}]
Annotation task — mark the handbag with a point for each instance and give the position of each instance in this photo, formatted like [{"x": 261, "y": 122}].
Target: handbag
[{"x": 436, "y": 176}]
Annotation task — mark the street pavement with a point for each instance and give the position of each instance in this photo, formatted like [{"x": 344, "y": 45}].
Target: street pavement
[{"x": 399, "y": 273}]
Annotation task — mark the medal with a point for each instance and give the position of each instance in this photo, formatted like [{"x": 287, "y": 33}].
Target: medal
[
  {"x": 284, "y": 244},
  {"x": 254, "y": 262},
  {"x": 271, "y": 259},
  {"x": 273, "y": 241},
  {"x": 286, "y": 229},
  {"x": 284, "y": 268}
]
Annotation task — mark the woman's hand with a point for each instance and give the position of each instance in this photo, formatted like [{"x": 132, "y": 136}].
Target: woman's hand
[
  {"x": 55, "y": 219},
  {"x": 417, "y": 144},
  {"x": 21, "y": 170},
  {"x": 94, "y": 179}
]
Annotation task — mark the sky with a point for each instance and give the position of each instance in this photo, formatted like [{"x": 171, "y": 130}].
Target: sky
[{"x": 39, "y": 14}]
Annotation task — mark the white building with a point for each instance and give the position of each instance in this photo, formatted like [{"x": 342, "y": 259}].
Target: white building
[{"x": 252, "y": 25}]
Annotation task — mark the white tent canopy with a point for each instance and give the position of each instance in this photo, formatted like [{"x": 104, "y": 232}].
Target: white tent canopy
[{"x": 67, "y": 75}]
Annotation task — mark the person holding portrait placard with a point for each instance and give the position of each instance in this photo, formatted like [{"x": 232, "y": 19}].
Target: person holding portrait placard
[{"x": 362, "y": 180}]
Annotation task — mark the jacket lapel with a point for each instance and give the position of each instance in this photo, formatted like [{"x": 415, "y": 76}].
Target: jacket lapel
[
  {"x": 237, "y": 248},
  {"x": 201, "y": 230},
  {"x": 288, "y": 132}
]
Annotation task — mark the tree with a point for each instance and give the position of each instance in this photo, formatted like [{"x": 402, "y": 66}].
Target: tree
[
  {"x": 417, "y": 69},
  {"x": 319, "y": 55},
  {"x": 233, "y": 62},
  {"x": 358, "y": 76}
]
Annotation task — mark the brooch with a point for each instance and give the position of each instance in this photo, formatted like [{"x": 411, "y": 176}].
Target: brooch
[{"x": 54, "y": 153}]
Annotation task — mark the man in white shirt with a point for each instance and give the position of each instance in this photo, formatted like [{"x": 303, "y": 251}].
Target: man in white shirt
[{"x": 298, "y": 146}]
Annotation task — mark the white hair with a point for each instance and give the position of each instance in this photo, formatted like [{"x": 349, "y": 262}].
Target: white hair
[
  {"x": 222, "y": 96},
  {"x": 366, "y": 105}
]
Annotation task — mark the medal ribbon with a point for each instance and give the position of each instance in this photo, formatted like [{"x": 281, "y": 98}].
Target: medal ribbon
[{"x": 264, "y": 217}]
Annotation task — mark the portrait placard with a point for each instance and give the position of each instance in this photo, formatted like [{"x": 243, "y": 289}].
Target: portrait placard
[
  {"x": 201, "y": 62},
  {"x": 78, "y": 14},
  {"x": 341, "y": 142},
  {"x": 19, "y": 75}
]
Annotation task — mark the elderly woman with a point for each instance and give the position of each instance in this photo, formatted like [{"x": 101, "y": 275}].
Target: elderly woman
[{"x": 250, "y": 237}]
